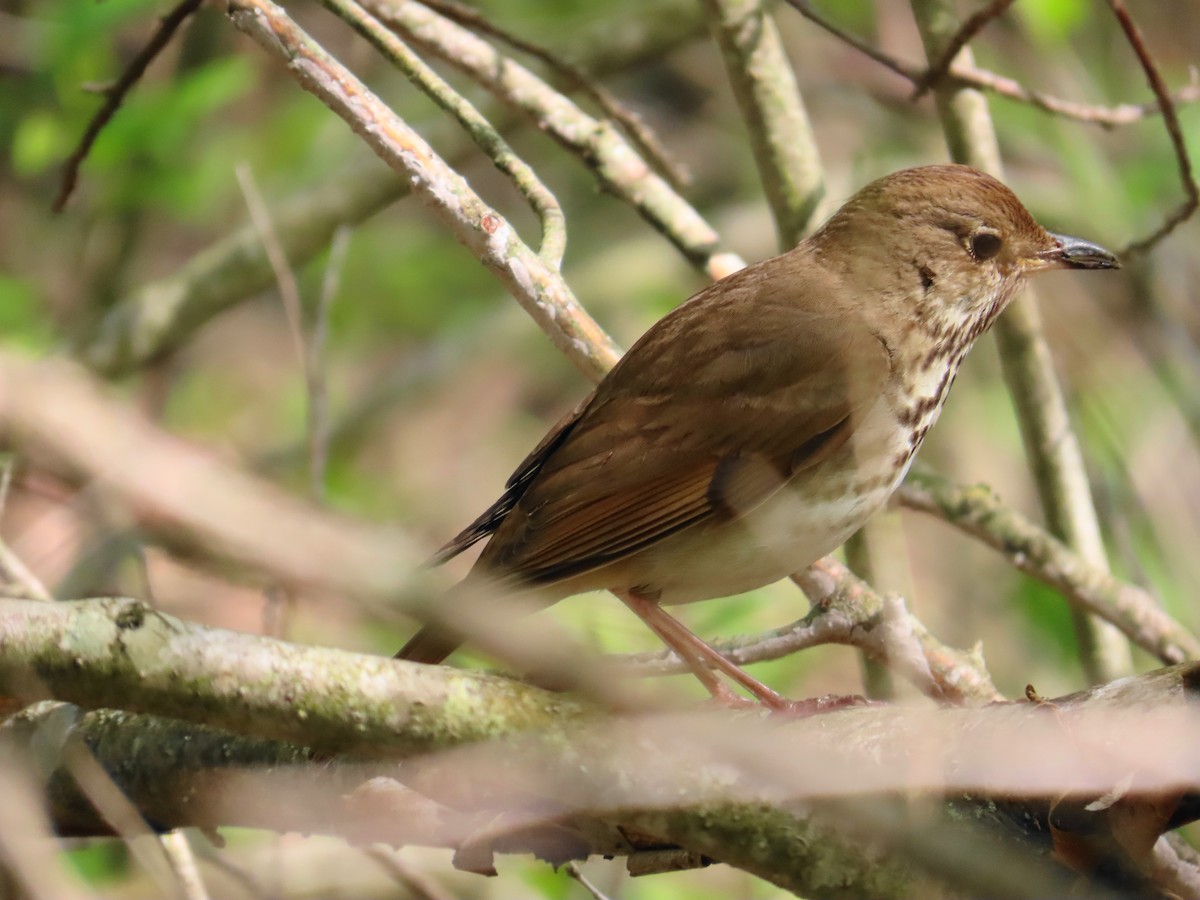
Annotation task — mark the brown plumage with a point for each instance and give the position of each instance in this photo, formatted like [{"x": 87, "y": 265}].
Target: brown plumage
[{"x": 757, "y": 425}]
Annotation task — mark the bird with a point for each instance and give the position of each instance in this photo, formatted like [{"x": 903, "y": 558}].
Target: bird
[{"x": 757, "y": 425}]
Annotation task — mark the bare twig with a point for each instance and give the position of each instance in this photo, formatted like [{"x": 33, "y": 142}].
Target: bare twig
[
  {"x": 539, "y": 289},
  {"x": 481, "y": 131},
  {"x": 594, "y": 892},
  {"x": 285, "y": 278},
  {"x": 965, "y": 74},
  {"x": 1171, "y": 122},
  {"x": 576, "y": 78},
  {"x": 115, "y": 95},
  {"x": 971, "y": 27},
  {"x": 10, "y": 563},
  {"x": 416, "y": 883},
  {"x": 319, "y": 429},
  {"x": 613, "y": 160},
  {"x": 183, "y": 863},
  {"x": 847, "y": 610}
]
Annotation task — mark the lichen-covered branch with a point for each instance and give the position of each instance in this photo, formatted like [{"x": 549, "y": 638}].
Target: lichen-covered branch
[
  {"x": 520, "y": 769},
  {"x": 979, "y": 513}
]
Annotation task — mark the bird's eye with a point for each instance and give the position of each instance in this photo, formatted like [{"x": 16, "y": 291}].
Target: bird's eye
[{"x": 985, "y": 245}]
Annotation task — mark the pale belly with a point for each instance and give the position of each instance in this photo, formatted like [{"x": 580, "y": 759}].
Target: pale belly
[{"x": 809, "y": 517}]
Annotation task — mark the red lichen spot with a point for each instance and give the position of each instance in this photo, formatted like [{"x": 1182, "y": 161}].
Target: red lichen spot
[{"x": 490, "y": 224}]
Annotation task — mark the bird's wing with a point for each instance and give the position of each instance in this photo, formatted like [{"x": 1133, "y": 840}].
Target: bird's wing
[{"x": 696, "y": 422}]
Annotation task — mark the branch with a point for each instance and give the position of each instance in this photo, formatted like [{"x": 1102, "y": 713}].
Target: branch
[
  {"x": 979, "y": 513},
  {"x": 781, "y": 136},
  {"x": 114, "y": 95},
  {"x": 615, "y": 163},
  {"x": 480, "y": 130},
  {"x": 540, "y": 290},
  {"x": 846, "y": 610},
  {"x": 161, "y": 316},
  {"x": 576, "y": 78},
  {"x": 1174, "y": 130},
  {"x": 964, "y": 74},
  {"x": 966, "y": 32},
  {"x": 802, "y": 802},
  {"x": 54, "y": 414}
]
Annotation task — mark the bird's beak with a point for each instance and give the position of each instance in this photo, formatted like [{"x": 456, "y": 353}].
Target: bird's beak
[{"x": 1075, "y": 253}]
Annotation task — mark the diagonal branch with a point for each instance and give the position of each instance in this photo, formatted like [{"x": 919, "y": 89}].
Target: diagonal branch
[
  {"x": 976, "y": 511},
  {"x": 539, "y": 289},
  {"x": 613, "y": 160},
  {"x": 474, "y": 123},
  {"x": 115, "y": 94}
]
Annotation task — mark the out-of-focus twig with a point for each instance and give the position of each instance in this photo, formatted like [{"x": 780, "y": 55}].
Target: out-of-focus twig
[
  {"x": 1171, "y": 121},
  {"x": 539, "y": 289},
  {"x": 115, "y": 94},
  {"x": 162, "y": 315},
  {"x": 319, "y": 426}
]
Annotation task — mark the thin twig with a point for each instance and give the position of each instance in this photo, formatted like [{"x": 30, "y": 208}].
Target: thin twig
[
  {"x": 632, "y": 124},
  {"x": 10, "y": 563},
  {"x": 115, "y": 95},
  {"x": 594, "y": 892},
  {"x": 1170, "y": 121},
  {"x": 848, "y": 611},
  {"x": 613, "y": 160},
  {"x": 183, "y": 863},
  {"x": 967, "y": 75},
  {"x": 491, "y": 239},
  {"x": 318, "y": 387},
  {"x": 415, "y": 883},
  {"x": 974, "y": 24},
  {"x": 285, "y": 278},
  {"x": 480, "y": 130}
]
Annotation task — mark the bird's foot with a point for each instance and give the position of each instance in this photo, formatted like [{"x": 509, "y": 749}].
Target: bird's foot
[{"x": 815, "y": 705}]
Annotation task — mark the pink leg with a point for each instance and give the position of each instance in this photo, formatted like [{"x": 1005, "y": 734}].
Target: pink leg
[
  {"x": 699, "y": 656},
  {"x": 702, "y": 659}
]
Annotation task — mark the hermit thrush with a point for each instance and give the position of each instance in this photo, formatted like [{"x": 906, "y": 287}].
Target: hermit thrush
[{"x": 757, "y": 426}]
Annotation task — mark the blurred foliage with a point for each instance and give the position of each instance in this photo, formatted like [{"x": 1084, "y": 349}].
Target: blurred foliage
[{"x": 159, "y": 186}]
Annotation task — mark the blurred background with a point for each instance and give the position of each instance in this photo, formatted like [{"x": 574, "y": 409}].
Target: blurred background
[{"x": 438, "y": 384}]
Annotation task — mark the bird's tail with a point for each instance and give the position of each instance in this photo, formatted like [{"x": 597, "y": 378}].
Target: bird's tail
[{"x": 430, "y": 645}]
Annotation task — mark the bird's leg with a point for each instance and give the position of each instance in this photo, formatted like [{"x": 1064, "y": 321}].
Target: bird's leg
[{"x": 700, "y": 657}]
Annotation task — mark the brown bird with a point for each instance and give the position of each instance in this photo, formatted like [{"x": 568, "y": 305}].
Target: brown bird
[{"x": 756, "y": 427}]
